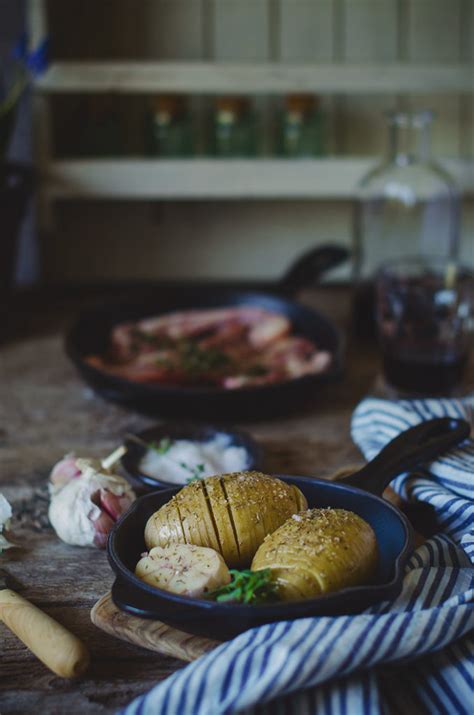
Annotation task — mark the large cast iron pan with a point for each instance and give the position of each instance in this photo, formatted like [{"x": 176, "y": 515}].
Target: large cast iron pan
[
  {"x": 359, "y": 493},
  {"x": 90, "y": 335}
]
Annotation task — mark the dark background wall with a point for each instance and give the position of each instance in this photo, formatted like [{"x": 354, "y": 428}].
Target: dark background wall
[{"x": 12, "y": 20}]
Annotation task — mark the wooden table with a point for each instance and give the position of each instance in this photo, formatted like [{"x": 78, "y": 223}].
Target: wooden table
[{"x": 45, "y": 412}]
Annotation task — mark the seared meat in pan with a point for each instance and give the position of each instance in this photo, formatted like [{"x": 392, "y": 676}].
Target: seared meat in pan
[{"x": 223, "y": 347}]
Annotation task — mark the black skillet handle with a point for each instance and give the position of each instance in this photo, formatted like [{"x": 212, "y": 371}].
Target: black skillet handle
[
  {"x": 308, "y": 268},
  {"x": 411, "y": 448}
]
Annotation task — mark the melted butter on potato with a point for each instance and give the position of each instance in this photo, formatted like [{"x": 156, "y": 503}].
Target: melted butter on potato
[
  {"x": 318, "y": 551},
  {"x": 184, "y": 569},
  {"x": 231, "y": 513}
]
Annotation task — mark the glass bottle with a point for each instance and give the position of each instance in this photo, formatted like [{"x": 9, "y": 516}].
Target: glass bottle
[
  {"x": 234, "y": 130},
  {"x": 169, "y": 128},
  {"x": 407, "y": 205},
  {"x": 301, "y": 127}
]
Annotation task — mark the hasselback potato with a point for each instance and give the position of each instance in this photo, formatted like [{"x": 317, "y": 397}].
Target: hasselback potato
[
  {"x": 231, "y": 513},
  {"x": 318, "y": 551}
]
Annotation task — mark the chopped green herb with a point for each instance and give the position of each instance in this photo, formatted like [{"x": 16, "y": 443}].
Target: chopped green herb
[
  {"x": 196, "y": 360},
  {"x": 162, "y": 446},
  {"x": 247, "y": 587}
]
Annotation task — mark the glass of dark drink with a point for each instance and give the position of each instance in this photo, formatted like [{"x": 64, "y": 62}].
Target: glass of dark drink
[{"x": 425, "y": 318}]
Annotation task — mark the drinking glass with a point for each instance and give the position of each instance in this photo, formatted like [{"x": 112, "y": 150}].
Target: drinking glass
[{"x": 425, "y": 318}]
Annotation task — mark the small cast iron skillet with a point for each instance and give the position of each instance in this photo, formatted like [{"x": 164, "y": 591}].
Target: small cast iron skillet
[
  {"x": 90, "y": 336},
  {"x": 359, "y": 493},
  {"x": 182, "y": 430}
]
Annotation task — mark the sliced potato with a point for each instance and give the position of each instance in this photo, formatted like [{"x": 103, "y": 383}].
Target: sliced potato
[
  {"x": 318, "y": 551},
  {"x": 184, "y": 569},
  {"x": 231, "y": 513},
  {"x": 178, "y": 522},
  {"x": 218, "y": 502},
  {"x": 259, "y": 504}
]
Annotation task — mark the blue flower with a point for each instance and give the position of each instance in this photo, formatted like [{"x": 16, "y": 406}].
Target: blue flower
[{"x": 36, "y": 60}]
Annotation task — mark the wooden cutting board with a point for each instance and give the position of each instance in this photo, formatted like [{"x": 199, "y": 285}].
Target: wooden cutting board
[{"x": 152, "y": 635}]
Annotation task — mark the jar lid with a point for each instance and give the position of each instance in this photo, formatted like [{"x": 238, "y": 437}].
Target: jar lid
[
  {"x": 301, "y": 103},
  {"x": 232, "y": 105},
  {"x": 169, "y": 104}
]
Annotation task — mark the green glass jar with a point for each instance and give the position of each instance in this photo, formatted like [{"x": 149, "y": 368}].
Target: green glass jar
[
  {"x": 301, "y": 132},
  {"x": 234, "y": 128},
  {"x": 170, "y": 131}
]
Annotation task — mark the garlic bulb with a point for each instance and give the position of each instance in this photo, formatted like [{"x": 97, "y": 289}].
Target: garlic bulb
[
  {"x": 86, "y": 501},
  {"x": 5, "y": 516}
]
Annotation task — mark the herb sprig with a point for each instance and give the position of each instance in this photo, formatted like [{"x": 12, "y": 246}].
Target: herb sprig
[
  {"x": 161, "y": 447},
  {"x": 195, "y": 472},
  {"x": 247, "y": 587}
]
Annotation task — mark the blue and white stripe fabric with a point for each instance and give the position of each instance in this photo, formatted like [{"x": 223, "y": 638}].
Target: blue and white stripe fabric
[{"x": 415, "y": 654}]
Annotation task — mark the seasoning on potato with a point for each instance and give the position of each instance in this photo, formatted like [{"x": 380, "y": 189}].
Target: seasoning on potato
[
  {"x": 231, "y": 513},
  {"x": 184, "y": 569},
  {"x": 317, "y": 552}
]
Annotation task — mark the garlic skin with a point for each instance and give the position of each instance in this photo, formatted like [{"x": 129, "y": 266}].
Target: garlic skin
[
  {"x": 86, "y": 501},
  {"x": 62, "y": 473}
]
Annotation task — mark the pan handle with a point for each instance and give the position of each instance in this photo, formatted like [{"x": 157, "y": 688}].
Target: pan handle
[
  {"x": 308, "y": 268},
  {"x": 416, "y": 445}
]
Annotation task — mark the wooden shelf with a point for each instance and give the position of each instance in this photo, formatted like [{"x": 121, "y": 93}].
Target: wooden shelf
[
  {"x": 141, "y": 179},
  {"x": 212, "y": 77}
]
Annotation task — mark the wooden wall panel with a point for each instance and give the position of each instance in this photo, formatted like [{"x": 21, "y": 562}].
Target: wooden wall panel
[
  {"x": 241, "y": 32},
  {"x": 434, "y": 33},
  {"x": 94, "y": 30},
  {"x": 241, "y": 29},
  {"x": 467, "y": 127},
  {"x": 306, "y": 34},
  {"x": 467, "y": 102},
  {"x": 306, "y": 30},
  {"x": 186, "y": 240},
  {"x": 161, "y": 29},
  {"x": 370, "y": 30},
  {"x": 434, "y": 27},
  {"x": 369, "y": 34},
  {"x": 171, "y": 29}
]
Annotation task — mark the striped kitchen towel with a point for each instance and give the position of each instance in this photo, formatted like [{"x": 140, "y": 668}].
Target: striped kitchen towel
[{"x": 415, "y": 654}]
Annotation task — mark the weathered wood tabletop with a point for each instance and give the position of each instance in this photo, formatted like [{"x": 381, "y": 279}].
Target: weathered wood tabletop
[{"x": 45, "y": 412}]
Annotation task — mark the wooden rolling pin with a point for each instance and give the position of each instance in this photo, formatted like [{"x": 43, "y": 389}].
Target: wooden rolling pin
[{"x": 55, "y": 646}]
